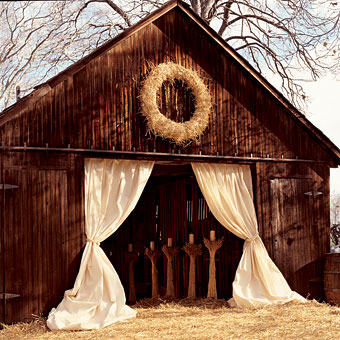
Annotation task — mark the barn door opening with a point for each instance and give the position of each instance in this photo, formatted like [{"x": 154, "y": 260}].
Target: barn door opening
[
  {"x": 295, "y": 237},
  {"x": 172, "y": 206}
]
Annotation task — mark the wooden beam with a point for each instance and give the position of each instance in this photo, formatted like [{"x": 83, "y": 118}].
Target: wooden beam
[{"x": 158, "y": 156}]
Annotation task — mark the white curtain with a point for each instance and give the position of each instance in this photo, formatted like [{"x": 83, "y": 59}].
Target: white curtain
[
  {"x": 112, "y": 189},
  {"x": 228, "y": 191}
]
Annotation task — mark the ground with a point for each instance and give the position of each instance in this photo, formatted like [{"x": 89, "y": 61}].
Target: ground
[{"x": 203, "y": 319}]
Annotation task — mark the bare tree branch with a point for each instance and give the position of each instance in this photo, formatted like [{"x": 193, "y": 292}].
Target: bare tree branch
[
  {"x": 39, "y": 39},
  {"x": 115, "y": 7}
]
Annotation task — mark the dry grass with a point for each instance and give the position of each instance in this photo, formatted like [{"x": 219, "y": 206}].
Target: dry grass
[
  {"x": 203, "y": 320},
  {"x": 158, "y": 124}
]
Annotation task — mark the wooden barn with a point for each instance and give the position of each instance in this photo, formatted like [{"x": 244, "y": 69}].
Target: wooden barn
[{"x": 93, "y": 110}]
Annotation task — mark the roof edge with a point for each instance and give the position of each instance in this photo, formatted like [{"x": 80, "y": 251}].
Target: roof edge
[
  {"x": 11, "y": 111},
  {"x": 263, "y": 81}
]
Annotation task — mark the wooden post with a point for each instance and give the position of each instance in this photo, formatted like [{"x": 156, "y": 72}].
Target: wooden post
[
  {"x": 131, "y": 258},
  {"x": 212, "y": 246},
  {"x": 170, "y": 253},
  {"x": 153, "y": 255},
  {"x": 193, "y": 250}
]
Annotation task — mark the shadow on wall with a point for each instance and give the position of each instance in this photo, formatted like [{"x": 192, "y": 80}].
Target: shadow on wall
[{"x": 309, "y": 274}]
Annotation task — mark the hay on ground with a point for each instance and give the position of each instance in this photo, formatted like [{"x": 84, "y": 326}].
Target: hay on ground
[{"x": 202, "y": 319}]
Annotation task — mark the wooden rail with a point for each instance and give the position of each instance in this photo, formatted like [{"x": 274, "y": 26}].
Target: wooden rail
[{"x": 159, "y": 155}]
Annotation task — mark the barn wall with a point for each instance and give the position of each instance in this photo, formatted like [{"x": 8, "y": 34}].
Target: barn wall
[
  {"x": 44, "y": 218},
  {"x": 294, "y": 225},
  {"x": 42, "y": 231},
  {"x": 98, "y": 105}
]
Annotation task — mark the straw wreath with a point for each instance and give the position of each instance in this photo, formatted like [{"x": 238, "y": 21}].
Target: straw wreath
[{"x": 167, "y": 128}]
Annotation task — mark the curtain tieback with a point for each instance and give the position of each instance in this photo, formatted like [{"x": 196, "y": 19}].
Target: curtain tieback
[
  {"x": 253, "y": 238},
  {"x": 92, "y": 241}
]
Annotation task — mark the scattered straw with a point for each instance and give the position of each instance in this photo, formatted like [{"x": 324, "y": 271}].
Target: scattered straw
[
  {"x": 167, "y": 128},
  {"x": 203, "y": 319}
]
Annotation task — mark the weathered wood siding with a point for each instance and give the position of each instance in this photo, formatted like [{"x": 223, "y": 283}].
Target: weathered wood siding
[
  {"x": 294, "y": 225},
  {"x": 98, "y": 105},
  {"x": 42, "y": 231}
]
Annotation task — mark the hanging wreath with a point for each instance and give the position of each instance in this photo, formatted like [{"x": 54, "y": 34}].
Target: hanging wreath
[{"x": 163, "y": 126}]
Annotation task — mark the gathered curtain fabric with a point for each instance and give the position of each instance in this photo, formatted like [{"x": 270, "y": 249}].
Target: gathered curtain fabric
[
  {"x": 227, "y": 188},
  {"x": 112, "y": 190}
]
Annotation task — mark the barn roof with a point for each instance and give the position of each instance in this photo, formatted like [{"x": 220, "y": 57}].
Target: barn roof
[{"x": 43, "y": 88}]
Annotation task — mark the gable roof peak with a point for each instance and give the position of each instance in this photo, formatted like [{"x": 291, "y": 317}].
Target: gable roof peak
[{"x": 185, "y": 9}]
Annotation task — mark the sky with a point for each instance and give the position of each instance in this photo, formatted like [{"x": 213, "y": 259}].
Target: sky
[{"x": 324, "y": 113}]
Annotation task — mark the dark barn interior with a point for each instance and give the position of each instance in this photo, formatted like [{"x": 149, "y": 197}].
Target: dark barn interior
[{"x": 172, "y": 205}]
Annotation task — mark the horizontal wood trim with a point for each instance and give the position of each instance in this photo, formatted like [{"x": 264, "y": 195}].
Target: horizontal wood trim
[{"x": 159, "y": 155}]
